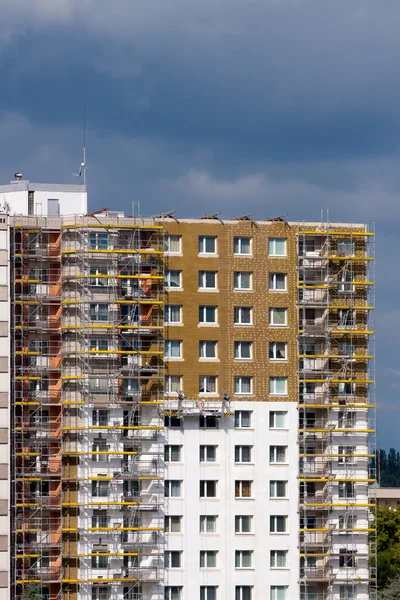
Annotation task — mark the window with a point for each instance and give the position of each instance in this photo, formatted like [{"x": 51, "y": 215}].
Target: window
[
  {"x": 173, "y": 279},
  {"x": 173, "y": 244},
  {"x": 208, "y": 349},
  {"x": 278, "y": 386},
  {"x": 279, "y": 592},
  {"x": 346, "y": 349},
  {"x": 346, "y": 317},
  {"x": 242, "y": 419},
  {"x": 243, "y": 385},
  {"x": 207, "y": 244},
  {"x": 243, "y": 350},
  {"x": 278, "y": 317},
  {"x": 99, "y": 561},
  {"x": 173, "y": 313},
  {"x": 98, "y": 593},
  {"x": 243, "y": 315},
  {"x": 208, "y": 453},
  {"x": 172, "y": 453},
  {"x": 95, "y": 276},
  {"x": 96, "y": 346},
  {"x": 277, "y": 454},
  {"x": 242, "y": 454},
  {"x": 347, "y": 521},
  {"x": 278, "y": 524},
  {"x": 100, "y": 417},
  {"x": 243, "y": 592},
  {"x": 172, "y": 488},
  {"x": 278, "y": 419},
  {"x": 346, "y": 420},
  {"x": 173, "y": 524},
  {"x": 99, "y": 312},
  {"x": 100, "y": 451},
  {"x": 243, "y": 523},
  {"x": 173, "y": 349},
  {"x": 278, "y": 559},
  {"x": 208, "y": 559},
  {"x": 277, "y": 282},
  {"x": 172, "y": 559},
  {"x": 172, "y": 422},
  {"x": 207, "y": 384},
  {"x": 243, "y": 489},
  {"x": 208, "y": 592},
  {"x": 345, "y": 248},
  {"x": 173, "y": 384},
  {"x": 346, "y": 489},
  {"x": 345, "y": 282},
  {"x": 277, "y": 246},
  {"x": 242, "y": 246},
  {"x": 207, "y": 280},
  {"x": 347, "y": 592},
  {"x": 99, "y": 519},
  {"x": 208, "y": 524},
  {"x": 346, "y": 455},
  {"x": 346, "y": 388},
  {"x": 98, "y": 241},
  {"x": 243, "y": 559},
  {"x": 208, "y": 422},
  {"x": 207, "y": 314},
  {"x": 278, "y": 351},
  {"x": 242, "y": 280},
  {"x": 99, "y": 489},
  {"x": 347, "y": 558},
  {"x": 172, "y": 592},
  {"x": 208, "y": 488}
]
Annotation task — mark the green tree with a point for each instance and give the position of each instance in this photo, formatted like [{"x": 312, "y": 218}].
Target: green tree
[
  {"x": 392, "y": 591},
  {"x": 32, "y": 591},
  {"x": 388, "y": 546}
]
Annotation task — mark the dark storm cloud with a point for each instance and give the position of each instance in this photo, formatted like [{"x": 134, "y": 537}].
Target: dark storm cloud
[{"x": 265, "y": 106}]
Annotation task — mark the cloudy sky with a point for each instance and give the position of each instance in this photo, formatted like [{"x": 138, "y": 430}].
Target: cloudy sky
[{"x": 264, "y": 106}]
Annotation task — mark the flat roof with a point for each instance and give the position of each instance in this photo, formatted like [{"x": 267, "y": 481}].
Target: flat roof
[{"x": 23, "y": 185}]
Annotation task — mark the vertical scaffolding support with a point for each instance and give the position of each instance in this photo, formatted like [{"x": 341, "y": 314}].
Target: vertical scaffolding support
[
  {"x": 336, "y": 411},
  {"x": 87, "y": 407}
]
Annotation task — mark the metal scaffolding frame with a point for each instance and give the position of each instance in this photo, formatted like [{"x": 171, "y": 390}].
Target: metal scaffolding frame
[
  {"x": 336, "y": 410},
  {"x": 87, "y": 406}
]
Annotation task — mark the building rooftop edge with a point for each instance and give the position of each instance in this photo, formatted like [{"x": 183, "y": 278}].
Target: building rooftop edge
[{"x": 25, "y": 186}]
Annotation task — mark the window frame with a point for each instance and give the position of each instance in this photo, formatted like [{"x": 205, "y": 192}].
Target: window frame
[
  {"x": 168, "y": 389},
  {"x": 203, "y": 453},
  {"x": 239, "y": 520},
  {"x": 205, "y": 484},
  {"x": 239, "y": 488},
  {"x": 203, "y": 313},
  {"x": 168, "y": 311},
  {"x": 238, "y": 379},
  {"x": 203, "y": 345},
  {"x": 167, "y": 279},
  {"x": 271, "y": 316},
  {"x": 202, "y": 280},
  {"x": 237, "y": 345},
  {"x": 237, "y": 310},
  {"x": 239, "y": 555},
  {"x": 168, "y": 524},
  {"x": 204, "y": 557},
  {"x": 237, "y": 245},
  {"x": 274, "y": 554},
  {"x": 274, "y": 486},
  {"x": 272, "y": 419},
  {"x": 203, "y": 524},
  {"x": 206, "y": 382},
  {"x": 202, "y": 245},
  {"x": 272, "y": 242},
  {"x": 273, "y": 524},
  {"x": 273, "y": 285},
  {"x": 167, "y": 349},
  {"x": 273, "y": 349},
  {"x": 168, "y": 488},
  {"x": 237, "y": 281},
  {"x": 273, "y": 381},
  {"x": 169, "y": 450},
  {"x": 238, "y": 417},
  {"x": 238, "y": 450},
  {"x": 167, "y": 245},
  {"x": 172, "y": 554},
  {"x": 274, "y": 450}
]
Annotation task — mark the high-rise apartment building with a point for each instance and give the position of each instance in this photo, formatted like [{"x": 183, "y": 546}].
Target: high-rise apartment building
[{"x": 190, "y": 409}]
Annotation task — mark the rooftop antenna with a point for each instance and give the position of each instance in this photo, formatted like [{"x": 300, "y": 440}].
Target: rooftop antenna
[{"x": 82, "y": 167}]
